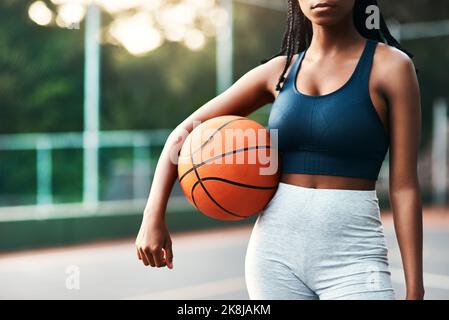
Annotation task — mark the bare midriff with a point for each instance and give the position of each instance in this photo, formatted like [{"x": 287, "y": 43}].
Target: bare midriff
[{"x": 327, "y": 182}]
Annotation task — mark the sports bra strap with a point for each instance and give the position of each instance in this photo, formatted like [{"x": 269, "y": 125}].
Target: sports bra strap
[{"x": 364, "y": 67}]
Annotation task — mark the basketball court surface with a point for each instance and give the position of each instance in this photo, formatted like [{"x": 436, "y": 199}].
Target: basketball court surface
[{"x": 207, "y": 265}]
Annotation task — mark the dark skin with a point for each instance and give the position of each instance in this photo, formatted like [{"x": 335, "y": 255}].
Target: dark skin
[{"x": 330, "y": 60}]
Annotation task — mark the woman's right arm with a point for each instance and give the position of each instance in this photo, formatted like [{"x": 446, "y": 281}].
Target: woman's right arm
[{"x": 252, "y": 91}]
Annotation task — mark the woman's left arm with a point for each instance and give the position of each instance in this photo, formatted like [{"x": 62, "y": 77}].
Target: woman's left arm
[{"x": 401, "y": 90}]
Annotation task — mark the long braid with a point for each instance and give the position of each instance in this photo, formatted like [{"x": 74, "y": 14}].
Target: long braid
[
  {"x": 288, "y": 45},
  {"x": 296, "y": 37}
]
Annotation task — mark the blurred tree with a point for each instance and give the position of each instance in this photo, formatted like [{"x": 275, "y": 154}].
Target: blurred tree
[
  {"x": 405, "y": 11},
  {"x": 41, "y": 75},
  {"x": 156, "y": 91}
]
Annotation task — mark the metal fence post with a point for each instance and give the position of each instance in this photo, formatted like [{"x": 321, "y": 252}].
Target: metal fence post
[
  {"x": 91, "y": 105},
  {"x": 224, "y": 49},
  {"x": 44, "y": 171},
  {"x": 141, "y": 168}
]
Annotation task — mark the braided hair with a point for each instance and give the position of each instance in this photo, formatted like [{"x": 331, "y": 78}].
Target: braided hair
[{"x": 298, "y": 32}]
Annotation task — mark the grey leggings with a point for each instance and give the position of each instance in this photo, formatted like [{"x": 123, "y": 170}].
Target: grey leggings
[{"x": 318, "y": 244}]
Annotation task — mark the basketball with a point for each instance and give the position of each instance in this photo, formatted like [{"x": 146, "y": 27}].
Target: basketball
[{"x": 227, "y": 168}]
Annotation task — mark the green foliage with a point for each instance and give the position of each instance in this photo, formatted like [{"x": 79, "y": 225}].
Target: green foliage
[
  {"x": 17, "y": 170},
  {"x": 67, "y": 179},
  {"x": 156, "y": 91},
  {"x": 41, "y": 78}
]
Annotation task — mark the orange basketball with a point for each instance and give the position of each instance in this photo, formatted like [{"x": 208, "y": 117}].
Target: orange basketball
[{"x": 227, "y": 169}]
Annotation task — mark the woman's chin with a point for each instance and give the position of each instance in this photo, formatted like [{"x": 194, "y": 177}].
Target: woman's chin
[{"x": 326, "y": 20}]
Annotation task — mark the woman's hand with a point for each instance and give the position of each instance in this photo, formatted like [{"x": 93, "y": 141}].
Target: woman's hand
[{"x": 153, "y": 243}]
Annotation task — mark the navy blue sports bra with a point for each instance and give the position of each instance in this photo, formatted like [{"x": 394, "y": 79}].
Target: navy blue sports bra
[{"x": 337, "y": 134}]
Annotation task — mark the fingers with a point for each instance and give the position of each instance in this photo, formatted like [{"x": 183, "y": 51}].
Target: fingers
[
  {"x": 152, "y": 263},
  {"x": 146, "y": 258},
  {"x": 153, "y": 256},
  {"x": 150, "y": 258},
  {"x": 158, "y": 257},
  {"x": 168, "y": 254},
  {"x": 143, "y": 257}
]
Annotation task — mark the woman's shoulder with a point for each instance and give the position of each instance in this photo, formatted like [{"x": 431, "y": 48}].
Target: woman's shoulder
[
  {"x": 394, "y": 71},
  {"x": 391, "y": 59}
]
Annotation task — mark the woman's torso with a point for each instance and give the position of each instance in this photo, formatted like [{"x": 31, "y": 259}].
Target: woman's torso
[{"x": 317, "y": 87}]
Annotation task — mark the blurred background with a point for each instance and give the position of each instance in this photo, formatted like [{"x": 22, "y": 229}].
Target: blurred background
[{"x": 89, "y": 91}]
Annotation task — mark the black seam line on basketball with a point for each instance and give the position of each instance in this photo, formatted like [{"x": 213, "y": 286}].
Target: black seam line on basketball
[
  {"x": 214, "y": 201},
  {"x": 193, "y": 187},
  {"x": 204, "y": 188},
  {"x": 193, "y": 197},
  {"x": 250, "y": 186},
  {"x": 221, "y": 156},
  {"x": 216, "y": 131}
]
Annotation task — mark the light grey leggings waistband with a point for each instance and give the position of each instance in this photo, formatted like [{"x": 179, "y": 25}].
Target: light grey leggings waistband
[{"x": 358, "y": 194}]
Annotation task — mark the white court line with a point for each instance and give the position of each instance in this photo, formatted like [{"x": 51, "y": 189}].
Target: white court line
[
  {"x": 198, "y": 291},
  {"x": 431, "y": 280}
]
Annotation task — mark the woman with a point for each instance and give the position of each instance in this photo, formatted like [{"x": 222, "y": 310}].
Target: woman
[{"x": 342, "y": 99}]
